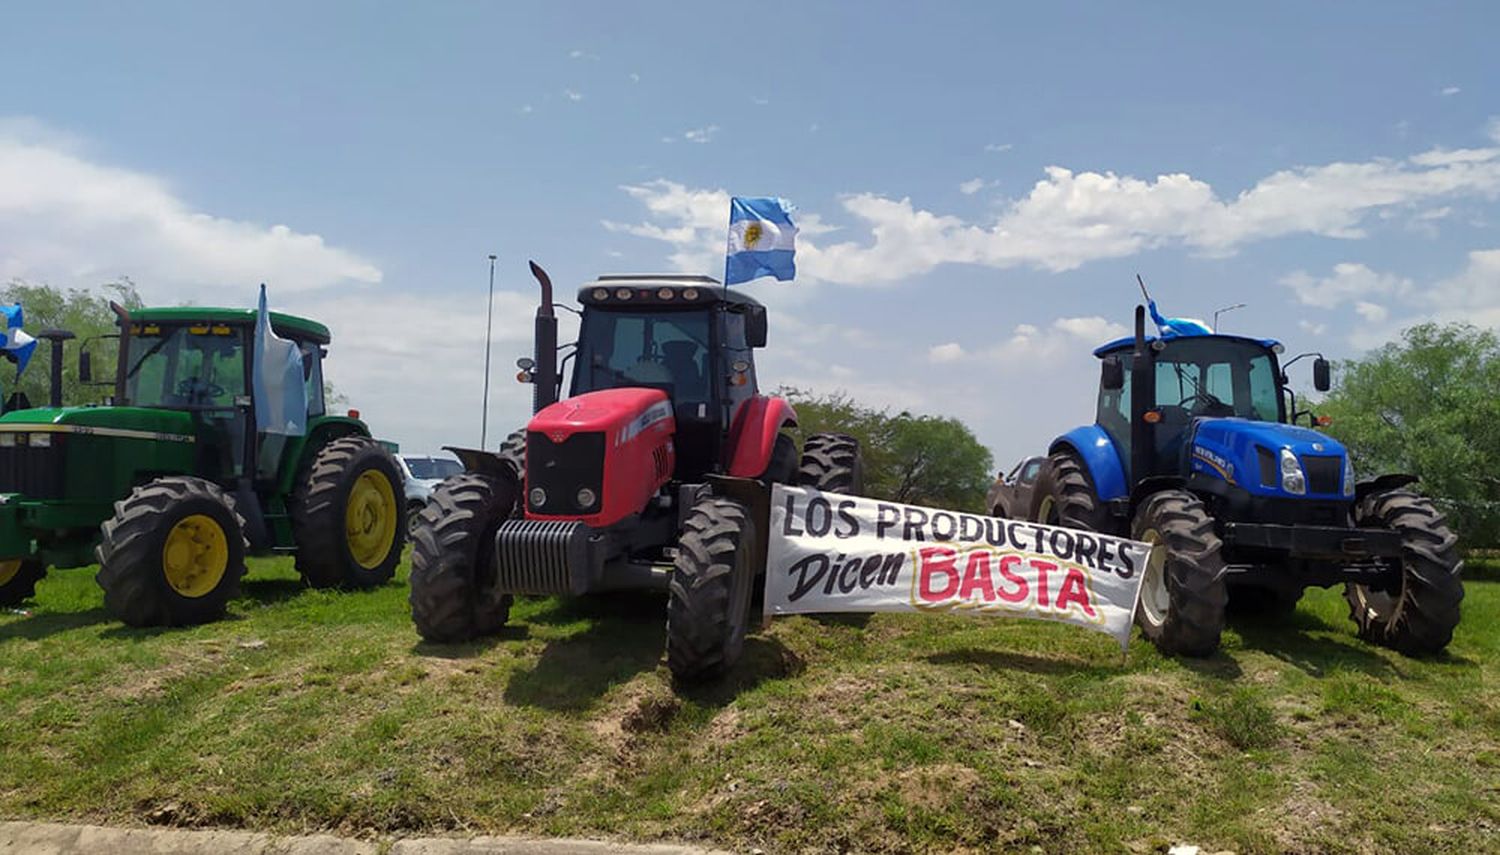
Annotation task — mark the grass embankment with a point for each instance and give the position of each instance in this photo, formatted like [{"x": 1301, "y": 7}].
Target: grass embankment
[{"x": 312, "y": 710}]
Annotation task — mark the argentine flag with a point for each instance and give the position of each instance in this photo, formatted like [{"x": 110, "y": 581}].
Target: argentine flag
[
  {"x": 280, "y": 393},
  {"x": 16, "y": 344},
  {"x": 1171, "y": 327},
  {"x": 762, "y": 240}
]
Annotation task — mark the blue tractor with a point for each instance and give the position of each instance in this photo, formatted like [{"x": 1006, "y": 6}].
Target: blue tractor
[{"x": 1196, "y": 449}]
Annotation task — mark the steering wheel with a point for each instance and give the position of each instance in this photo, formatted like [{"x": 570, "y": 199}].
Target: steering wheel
[
  {"x": 194, "y": 388},
  {"x": 1209, "y": 405}
]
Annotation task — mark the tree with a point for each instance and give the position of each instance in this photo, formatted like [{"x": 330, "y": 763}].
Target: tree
[
  {"x": 1429, "y": 405},
  {"x": 83, "y": 312},
  {"x": 916, "y": 459}
]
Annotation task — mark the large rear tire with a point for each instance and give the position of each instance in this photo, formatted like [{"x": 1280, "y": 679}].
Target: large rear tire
[
  {"x": 18, "y": 578},
  {"x": 1066, "y": 496},
  {"x": 346, "y": 517},
  {"x": 1420, "y": 619},
  {"x": 832, "y": 462},
  {"x": 514, "y": 450},
  {"x": 173, "y": 553},
  {"x": 784, "y": 459},
  {"x": 708, "y": 606},
  {"x": 453, "y": 559},
  {"x": 1183, "y": 594}
]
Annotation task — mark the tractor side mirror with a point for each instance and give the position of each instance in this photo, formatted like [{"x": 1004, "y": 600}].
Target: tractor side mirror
[
  {"x": 1112, "y": 374},
  {"x": 755, "y": 326},
  {"x": 1322, "y": 380},
  {"x": 85, "y": 367}
]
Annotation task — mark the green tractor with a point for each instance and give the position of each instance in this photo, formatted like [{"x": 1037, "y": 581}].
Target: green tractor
[{"x": 168, "y": 485}]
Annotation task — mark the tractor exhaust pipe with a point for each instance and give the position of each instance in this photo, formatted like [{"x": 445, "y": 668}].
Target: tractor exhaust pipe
[
  {"x": 57, "y": 337},
  {"x": 544, "y": 377},
  {"x": 1142, "y": 401},
  {"x": 122, "y": 317}
]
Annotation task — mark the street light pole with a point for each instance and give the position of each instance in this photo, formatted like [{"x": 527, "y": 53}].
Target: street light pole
[
  {"x": 1218, "y": 312},
  {"x": 489, "y": 314}
]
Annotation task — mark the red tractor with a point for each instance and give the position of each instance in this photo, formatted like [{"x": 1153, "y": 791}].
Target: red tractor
[{"x": 654, "y": 473}]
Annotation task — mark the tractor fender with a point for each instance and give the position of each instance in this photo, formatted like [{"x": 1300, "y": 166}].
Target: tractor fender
[
  {"x": 752, "y": 436},
  {"x": 1381, "y": 484},
  {"x": 1097, "y": 451},
  {"x": 482, "y": 462}
]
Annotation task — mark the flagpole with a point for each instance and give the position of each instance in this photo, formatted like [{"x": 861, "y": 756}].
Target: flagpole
[{"x": 489, "y": 316}]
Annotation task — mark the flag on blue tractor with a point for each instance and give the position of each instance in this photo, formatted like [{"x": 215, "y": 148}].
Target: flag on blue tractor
[
  {"x": 279, "y": 386},
  {"x": 16, "y": 345},
  {"x": 762, "y": 240}
]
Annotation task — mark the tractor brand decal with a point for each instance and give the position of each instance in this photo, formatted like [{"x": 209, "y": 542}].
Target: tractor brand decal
[
  {"x": 659, "y": 411},
  {"x": 1215, "y": 462},
  {"x": 97, "y": 431},
  {"x": 834, "y": 553}
]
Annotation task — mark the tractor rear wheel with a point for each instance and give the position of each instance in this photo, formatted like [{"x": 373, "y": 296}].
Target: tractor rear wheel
[
  {"x": 1183, "y": 595},
  {"x": 832, "y": 462},
  {"x": 1420, "y": 618},
  {"x": 453, "y": 559},
  {"x": 708, "y": 605},
  {"x": 18, "y": 578},
  {"x": 1067, "y": 497},
  {"x": 783, "y": 466},
  {"x": 172, "y": 554},
  {"x": 346, "y": 517}
]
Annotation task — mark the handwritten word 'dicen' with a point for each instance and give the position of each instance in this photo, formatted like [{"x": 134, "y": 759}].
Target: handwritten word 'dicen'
[{"x": 1003, "y": 580}]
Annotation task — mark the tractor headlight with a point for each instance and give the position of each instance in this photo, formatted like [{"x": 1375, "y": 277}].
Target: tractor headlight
[
  {"x": 41, "y": 440},
  {"x": 1292, "y": 478},
  {"x": 1348, "y": 475},
  {"x": 585, "y": 498},
  {"x": 537, "y": 497}
]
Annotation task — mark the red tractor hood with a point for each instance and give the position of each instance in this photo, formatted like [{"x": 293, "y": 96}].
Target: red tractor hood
[{"x": 621, "y": 414}]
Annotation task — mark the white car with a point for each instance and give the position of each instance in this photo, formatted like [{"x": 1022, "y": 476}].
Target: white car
[{"x": 420, "y": 473}]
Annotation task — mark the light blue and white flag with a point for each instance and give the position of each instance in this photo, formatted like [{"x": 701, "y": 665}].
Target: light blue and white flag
[
  {"x": 762, "y": 240},
  {"x": 16, "y": 344},
  {"x": 1172, "y": 327},
  {"x": 280, "y": 391}
]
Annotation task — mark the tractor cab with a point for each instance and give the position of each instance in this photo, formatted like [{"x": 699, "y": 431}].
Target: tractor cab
[{"x": 686, "y": 336}]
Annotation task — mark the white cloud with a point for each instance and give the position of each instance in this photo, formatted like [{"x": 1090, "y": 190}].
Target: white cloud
[
  {"x": 1071, "y": 218},
  {"x": 573, "y": 95},
  {"x": 1311, "y": 328},
  {"x": 69, "y": 220},
  {"x": 583, "y": 54},
  {"x": 950, "y": 352},
  {"x": 635, "y": 78},
  {"x": 1448, "y": 91},
  {"x": 701, "y": 135},
  {"x": 1347, "y": 282},
  {"x": 996, "y": 148},
  {"x": 972, "y": 186},
  {"x": 1371, "y": 312}
]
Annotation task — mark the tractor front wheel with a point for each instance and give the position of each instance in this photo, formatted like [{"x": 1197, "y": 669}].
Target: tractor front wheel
[
  {"x": 453, "y": 559},
  {"x": 1419, "y": 619},
  {"x": 346, "y": 517},
  {"x": 1066, "y": 497},
  {"x": 1183, "y": 595},
  {"x": 832, "y": 462},
  {"x": 18, "y": 578},
  {"x": 172, "y": 554},
  {"x": 708, "y": 605}
]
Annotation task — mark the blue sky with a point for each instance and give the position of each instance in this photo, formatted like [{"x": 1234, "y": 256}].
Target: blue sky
[{"x": 977, "y": 184}]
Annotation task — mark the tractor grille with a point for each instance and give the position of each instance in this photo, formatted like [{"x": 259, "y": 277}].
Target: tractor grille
[
  {"x": 35, "y": 472},
  {"x": 539, "y": 556},
  {"x": 1323, "y": 473},
  {"x": 562, "y": 468}
]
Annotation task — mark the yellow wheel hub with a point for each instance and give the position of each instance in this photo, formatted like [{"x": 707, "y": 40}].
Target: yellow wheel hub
[
  {"x": 195, "y": 555},
  {"x": 370, "y": 519},
  {"x": 9, "y": 569}
]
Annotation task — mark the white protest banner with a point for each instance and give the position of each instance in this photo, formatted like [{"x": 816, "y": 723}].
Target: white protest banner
[{"x": 834, "y": 553}]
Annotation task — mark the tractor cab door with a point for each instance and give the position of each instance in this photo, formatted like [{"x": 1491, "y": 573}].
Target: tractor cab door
[{"x": 201, "y": 369}]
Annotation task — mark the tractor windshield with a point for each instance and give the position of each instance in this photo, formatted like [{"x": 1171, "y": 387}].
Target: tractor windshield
[
  {"x": 665, "y": 350},
  {"x": 185, "y": 367},
  {"x": 1218, "y": 377}
]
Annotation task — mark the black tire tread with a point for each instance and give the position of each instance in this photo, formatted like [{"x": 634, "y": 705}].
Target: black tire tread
[
  {"x": 131, "y": 576},
  {"x": 451, "y": 551},
  {"x": 832, "y": 462},
  {"x": 317, "y": 508},
  {"x": 700, "y": 642},
  {"x": 784, "y": 463},
  {"x": 1194, "y": 574},
  {"x": 1423, "y": 618},
  {"x": 1072, "y": 491}
]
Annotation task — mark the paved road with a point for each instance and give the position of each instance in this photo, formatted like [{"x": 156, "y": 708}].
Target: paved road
[{"x": 46, "y": 838}]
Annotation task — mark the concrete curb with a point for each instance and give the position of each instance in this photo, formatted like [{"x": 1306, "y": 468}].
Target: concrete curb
[{"x": 48, "y": 838}]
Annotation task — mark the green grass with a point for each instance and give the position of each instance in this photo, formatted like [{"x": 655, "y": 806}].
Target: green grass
[{"x": 312, "y": 710}]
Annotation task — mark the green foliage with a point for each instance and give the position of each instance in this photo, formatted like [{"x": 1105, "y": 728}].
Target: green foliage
[
  {"x": 83, "y": 312},
  {"x": 1429, "y": 405},
  {"x": 920, "y": 460}
]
